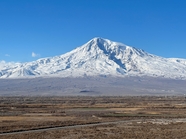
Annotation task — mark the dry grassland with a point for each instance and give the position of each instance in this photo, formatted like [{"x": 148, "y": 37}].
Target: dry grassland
[{"x": 25, "y": 113}]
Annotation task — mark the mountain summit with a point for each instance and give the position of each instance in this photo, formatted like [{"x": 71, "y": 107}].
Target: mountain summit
[{"x": 99, "y": 57}]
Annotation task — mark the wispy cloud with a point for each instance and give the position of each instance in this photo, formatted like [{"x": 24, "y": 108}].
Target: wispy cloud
[
  {"x": 35, "y": 55},
  {"x": 7, "y": 55}
]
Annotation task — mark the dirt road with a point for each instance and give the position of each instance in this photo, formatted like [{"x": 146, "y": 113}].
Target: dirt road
[{"x": 154, "y": 121}]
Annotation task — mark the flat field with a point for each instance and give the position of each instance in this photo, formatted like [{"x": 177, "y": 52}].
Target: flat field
[{"x": 99, "y": 117}]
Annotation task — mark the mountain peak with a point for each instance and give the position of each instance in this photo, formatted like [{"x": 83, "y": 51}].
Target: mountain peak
[
  {"x": 98, "y": 40},
  {"x": 106, "y": 44},
  {"x": 98, "y": 57}
]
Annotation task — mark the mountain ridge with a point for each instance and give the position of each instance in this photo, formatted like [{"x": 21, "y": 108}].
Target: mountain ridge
[{"x": 98, "y": 57}]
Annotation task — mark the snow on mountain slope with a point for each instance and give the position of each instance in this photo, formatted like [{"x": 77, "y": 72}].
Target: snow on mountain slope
[{"x": 98, "y": 57}]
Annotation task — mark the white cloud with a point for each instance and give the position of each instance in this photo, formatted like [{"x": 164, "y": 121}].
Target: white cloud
[
  {"x": 35, "y": 55},
  {"x": 7, "y": 55},
  {"x": 2, "y": 62}
]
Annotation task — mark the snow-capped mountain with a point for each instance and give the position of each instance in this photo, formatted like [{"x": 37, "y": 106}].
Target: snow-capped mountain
[{"x": 99, "y": 57}]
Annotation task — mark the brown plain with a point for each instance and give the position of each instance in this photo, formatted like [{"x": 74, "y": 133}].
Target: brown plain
[{"x": 26, "y": 113}]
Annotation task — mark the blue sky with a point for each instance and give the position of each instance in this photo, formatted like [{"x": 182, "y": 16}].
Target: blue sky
[{"x": 32, "y": 29}]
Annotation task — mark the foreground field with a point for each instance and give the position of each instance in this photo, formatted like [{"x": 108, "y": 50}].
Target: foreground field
[{"x": 131, "y": 117}]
